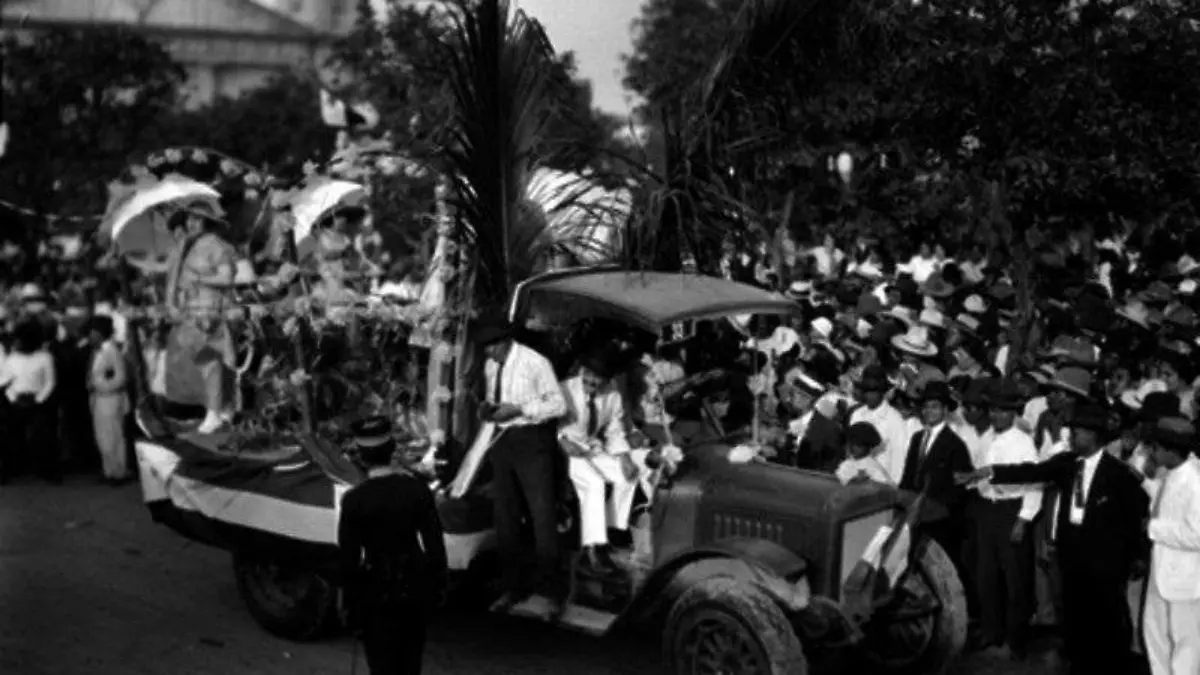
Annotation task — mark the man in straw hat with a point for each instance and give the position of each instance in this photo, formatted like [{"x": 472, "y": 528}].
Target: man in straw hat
[
  {"x": 524, "y": 401},
  {"x": 1171, "y": 622},
  {"x": 391, "y": 554},
  {"x": 1003, "y": 522},
  {"x": 871, "y": 392},
  {"x": 1099, "y": 536}
]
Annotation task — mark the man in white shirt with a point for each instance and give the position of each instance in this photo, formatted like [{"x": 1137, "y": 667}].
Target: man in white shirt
[
  {"x": 592, "y": 434},
  {"x": 1171, "y": 623},
  {"x": 891, "y": 425},
  {"x": 524, "y": 401},
  {"x": 1003, "y": 523}
]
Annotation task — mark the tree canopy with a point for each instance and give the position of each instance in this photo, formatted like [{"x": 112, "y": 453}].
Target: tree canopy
[{"x": 970, "y": 120}]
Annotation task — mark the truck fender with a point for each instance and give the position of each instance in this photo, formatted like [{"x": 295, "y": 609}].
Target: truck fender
[{"x": 771, "y": 568}]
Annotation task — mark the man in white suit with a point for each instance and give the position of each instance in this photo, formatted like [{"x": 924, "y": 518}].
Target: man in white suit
[
  {"x": 598, "y": 454},
  {"x": 1171, "y": 623}
]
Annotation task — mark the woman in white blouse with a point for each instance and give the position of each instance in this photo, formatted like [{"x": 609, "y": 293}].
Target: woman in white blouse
[{"x": 27, "y": 377}]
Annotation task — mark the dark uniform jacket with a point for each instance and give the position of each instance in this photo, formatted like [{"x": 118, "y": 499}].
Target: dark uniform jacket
[{"x": 390, "y": 524}]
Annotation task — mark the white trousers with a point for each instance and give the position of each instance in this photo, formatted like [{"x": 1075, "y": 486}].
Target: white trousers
[
  {"x": 1172, "y": 632},
  {"x": 589, "y": 476}
]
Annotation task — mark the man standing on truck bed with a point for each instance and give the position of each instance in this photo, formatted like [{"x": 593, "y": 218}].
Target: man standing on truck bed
[
  {"x": 524, "y": 401},
  {"x": 392, "y": 555}
]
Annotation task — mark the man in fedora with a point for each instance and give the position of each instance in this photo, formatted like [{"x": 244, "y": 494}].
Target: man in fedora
[
  {"x": 1099, "y": 539},
  {"x": 1171, "y": 623},
  {"x": 1003, "y": 524},
  {"x": 391, "y": 554},
  {"x": 871, "y": 391},
  {"x": 935, "y": 455},
  {"x": 525, "y": 402},
  {"x": 592, "y": 434}
]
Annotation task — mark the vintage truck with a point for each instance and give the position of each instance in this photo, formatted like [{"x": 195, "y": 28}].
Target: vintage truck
[{"x": 740, "y": 566}]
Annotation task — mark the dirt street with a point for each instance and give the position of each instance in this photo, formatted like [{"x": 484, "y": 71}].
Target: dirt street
[{"x": 90, "y": 586}]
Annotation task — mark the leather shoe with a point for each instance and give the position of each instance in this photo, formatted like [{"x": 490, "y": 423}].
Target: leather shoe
[
  {"x": 597, "y": 560},
  {"x": 506, "y": 602}
]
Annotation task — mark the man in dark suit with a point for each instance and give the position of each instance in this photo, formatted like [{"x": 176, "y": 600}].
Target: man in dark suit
[
  {"x": 1099, "y": 535},
  {"x": 935, "y": 454},
  {"x": 392, "y": 556}
]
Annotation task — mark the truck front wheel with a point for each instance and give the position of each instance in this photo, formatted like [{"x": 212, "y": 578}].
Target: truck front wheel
[
  {"x": 287, "y": 601},
  {"x": 924, "y": 629},
  {"x": 723, "y": 626}
]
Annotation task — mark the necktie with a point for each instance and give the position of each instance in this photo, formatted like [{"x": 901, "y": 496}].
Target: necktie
[
  {"x": 593, "y": 416},
  {"x": 496, "y": 384},
  {"x": 926, "y": 443},
  {"x": 1077, "y": 497},
  {"x": 1158, "y": 498}
]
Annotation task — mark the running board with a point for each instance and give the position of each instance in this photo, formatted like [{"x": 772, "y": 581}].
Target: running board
[{"x": 586, "y": 620}]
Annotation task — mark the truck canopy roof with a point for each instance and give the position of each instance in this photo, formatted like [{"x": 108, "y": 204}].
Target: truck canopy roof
[{"x": 649, "y": 300}]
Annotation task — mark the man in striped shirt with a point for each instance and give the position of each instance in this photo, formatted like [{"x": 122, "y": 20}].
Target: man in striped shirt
[{"x": 524, "y": 401}]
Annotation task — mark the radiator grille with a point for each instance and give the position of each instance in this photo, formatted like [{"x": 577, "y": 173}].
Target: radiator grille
[{"x": 727, "y": 526}]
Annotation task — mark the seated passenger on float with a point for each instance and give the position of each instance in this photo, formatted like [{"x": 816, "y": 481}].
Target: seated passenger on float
[{"x": 592, "y": 434}]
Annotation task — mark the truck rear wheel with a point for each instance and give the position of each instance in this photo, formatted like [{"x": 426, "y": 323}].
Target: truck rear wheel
[
  {"x": 287, "y": 601},
  {"x": 723, "y": 626},
  {"x": 925, "y": 629}
]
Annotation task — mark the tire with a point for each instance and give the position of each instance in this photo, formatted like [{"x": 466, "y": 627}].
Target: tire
[
  {"x": 287, "y": 601},
  {"x": 890, "y": 649},
  {"x": 715, "y": 613}
]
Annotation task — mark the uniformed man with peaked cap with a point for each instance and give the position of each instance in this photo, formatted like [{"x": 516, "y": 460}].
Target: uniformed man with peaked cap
[{"x": 392, "y": 556}]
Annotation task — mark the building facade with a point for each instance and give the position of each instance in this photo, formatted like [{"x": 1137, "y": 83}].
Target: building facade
[{"x": 226, "y": 46}]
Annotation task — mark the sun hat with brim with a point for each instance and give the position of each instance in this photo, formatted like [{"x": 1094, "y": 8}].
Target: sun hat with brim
[
  {"x": 1072, "y": 380},
  {"x": 821, "y": 328},
  {"x": 491, "y": 332},
  {"x": 1006, "y": 395},
  {"x": 1134, "y": 399},
  {"x": 1002, "y": 291},
  {"x": 32, "y": 293},
  {"x": 904, "y": 314},
  {"x": 936, "y": 287},
  {"x": 1157, "y": 293},
  {"x": 1188, "y": 287},
  {"x": 1005, "y": 317},
  {"x": 932, "y": 318},
  {"x": 975, "y": 304},
  {"x": 1183, "y": 317},
  {"x": 805, "y": 382},
  {"x": 799, "y": 289},
  {"x": 1173, "y": 432},
  {"x": 1072, "y": 349},
  {"x": 1136, "y": 312},
  {"x": 915, "y": 341},
  {"x": 1042, "y": 374},
  {"x": 873, "y": 378},
  {"x": 976, "y": 391},
  {"x": 1175, "y": 349},
  {"x": 1090, "y": 416},
  {"x": 938, "y": 390},
  {"x": 372, "y": 432},
  {"x": 1159, "y": 404},
  {"x": 968, "y": 323}
]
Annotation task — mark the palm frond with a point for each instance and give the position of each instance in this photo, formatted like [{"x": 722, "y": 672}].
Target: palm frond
[{"x": 499, "y": 80}]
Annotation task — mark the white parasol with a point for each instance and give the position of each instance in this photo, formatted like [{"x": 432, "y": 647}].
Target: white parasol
[
  {"x": 136, "y": 218},
  {"x": 313, "y": 201}
]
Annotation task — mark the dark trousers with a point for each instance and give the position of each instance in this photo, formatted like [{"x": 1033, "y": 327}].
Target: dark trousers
[
  {"x": 32, "y": 440},
  {"x": 523, "y": 486},
  {"x": 394, "y": 639},
  {"x": 1004, "y": 575},
  {"x": 970, "y": 553},
  {"x": 1096, "y": 622}
]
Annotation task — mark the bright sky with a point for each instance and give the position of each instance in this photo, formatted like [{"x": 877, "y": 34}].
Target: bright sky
[{"x": 598, "y": 32}]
